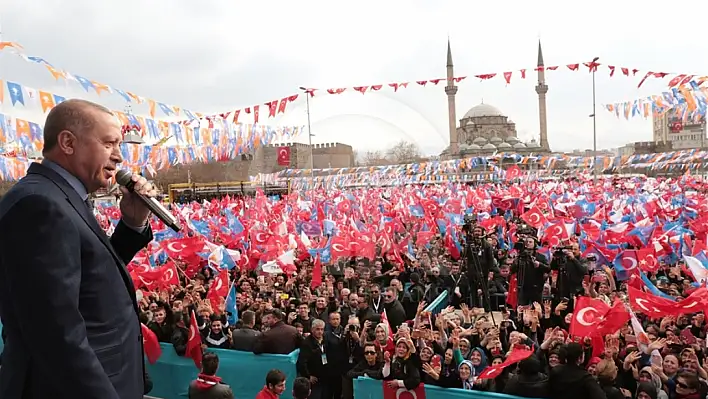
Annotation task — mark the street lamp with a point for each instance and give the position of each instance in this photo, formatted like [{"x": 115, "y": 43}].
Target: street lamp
[
  {"x": 594, "y": 121},
  {"x": 309, "y": 142}
]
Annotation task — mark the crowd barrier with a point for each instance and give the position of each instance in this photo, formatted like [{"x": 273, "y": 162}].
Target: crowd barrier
[
  {"x": 243, "y": 371},
  {"x": 367, "y": 388}
]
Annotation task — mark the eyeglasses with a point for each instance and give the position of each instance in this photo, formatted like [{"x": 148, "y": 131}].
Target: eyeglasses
[{"x": 369, "y": 353}]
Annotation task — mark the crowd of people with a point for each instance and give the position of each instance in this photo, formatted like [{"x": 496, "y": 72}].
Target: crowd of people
[{"x": 554, "y": 289}]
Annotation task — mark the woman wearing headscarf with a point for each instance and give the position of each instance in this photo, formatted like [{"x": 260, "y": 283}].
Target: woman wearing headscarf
[
  {"x": 646, "y": 374},
  {"x": 384, "y": 342},
  {"x": 647, "y": 390},
  {"x": 401, "y": 371}
]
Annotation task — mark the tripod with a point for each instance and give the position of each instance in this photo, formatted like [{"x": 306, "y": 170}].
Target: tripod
[{"x": 479, "y": 279}]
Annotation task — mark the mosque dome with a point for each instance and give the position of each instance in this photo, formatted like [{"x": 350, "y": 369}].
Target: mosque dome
[
  {"x": 483, "y": 110},
  {"x": 480, "y": 141},
  {"x": 520, "y": 146},
  {"x": 496, "y": 140},
  {"x": 474, "y": 147},
  {"x": 512, "y": 140},
  {"x": 489, "y": 146},
  {"x": 504, "y": 145}
]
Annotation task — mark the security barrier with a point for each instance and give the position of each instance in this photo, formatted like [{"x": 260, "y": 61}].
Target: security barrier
[
  {"x": 243, "y": 371},
  {"x": 367, "y": 388}
]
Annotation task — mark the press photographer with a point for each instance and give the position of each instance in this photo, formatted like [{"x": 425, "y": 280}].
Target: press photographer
[
  {"x": 479, "y": 259},
  {"x": 568, "y": 263},
  {"x": 530, "y": 268}
]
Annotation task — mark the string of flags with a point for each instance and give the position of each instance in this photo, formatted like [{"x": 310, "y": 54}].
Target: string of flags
[
  {"x": 274, "y": 107},
  {"x": 220, "y": 142},
  {"x": 279, "y": 106},
  {"x": 199, "y": 132},
  {"x": 686, "y": 103},
  {"x": 477, "y": 168}
]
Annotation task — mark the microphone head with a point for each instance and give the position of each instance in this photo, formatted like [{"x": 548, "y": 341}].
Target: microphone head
[{"x": 123, "y": 177}]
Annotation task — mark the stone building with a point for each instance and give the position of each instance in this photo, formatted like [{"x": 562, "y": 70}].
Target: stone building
[
  {"x": 262, "y": 160},
  {"x": 484, "y": 129}
]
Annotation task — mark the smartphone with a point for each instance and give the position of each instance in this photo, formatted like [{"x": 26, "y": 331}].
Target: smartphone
[
  {"x": 564, "y": 299},
  {"x": 435, "y": 361}
]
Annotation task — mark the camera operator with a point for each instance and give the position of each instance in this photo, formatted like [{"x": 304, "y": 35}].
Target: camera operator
[
  {"x": 571, "y": 270},
  {"x": 479, "y": 257},
  {"x": 355, "y": 354},
  {"x": 530, "y": 268}
]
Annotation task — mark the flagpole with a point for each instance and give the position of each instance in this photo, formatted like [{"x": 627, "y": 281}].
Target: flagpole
[{"x": 309, "y": 142}]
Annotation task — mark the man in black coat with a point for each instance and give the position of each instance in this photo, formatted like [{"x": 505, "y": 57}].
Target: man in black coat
[
  {"x": 69, "y": 309},
  {"x": 244, "y": 338},
  {"x": 571, "y": 380},
  {"x": 530, "y": 268}
]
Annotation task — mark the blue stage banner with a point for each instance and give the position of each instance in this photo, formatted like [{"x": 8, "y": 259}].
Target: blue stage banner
[
  {"x": 243, "y": 371},
  {"x": 367, "y": 388}
]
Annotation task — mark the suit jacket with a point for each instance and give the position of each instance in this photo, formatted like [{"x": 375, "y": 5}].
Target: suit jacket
[
  {"x": 66, "y": 300},
  {"x": 243, "y": 339},
  {"x": 281, "y": 339}
]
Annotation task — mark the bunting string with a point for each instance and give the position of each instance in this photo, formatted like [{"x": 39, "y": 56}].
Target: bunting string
[
  {"x": 478, "y": 168},
  {"x": 279, "y": 106},
  {"x": 688, "y": 103},
  {"x": 222, "y": 141},
  {"x": 217, "y": 131}
]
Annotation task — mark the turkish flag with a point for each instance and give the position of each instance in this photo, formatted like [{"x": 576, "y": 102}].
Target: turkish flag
[
  {"x": 194, "y": 343},
  {"x": 589, "y": 314},
  {"x": 515, "y": 356},
  {"x": 151, "y": 346},
  {"x": 403, "y": 393},
  {"x": 284, "y": 156},
  {"x": 513, "y": 298},
  {"x": 219, "y": 290}
]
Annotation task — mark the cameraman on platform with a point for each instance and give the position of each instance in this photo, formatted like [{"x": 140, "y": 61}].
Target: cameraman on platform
[
  {"x": 530, "y": 268},
  {"x": 571, "y": 268},
  {"x": 479, "y": 258}
]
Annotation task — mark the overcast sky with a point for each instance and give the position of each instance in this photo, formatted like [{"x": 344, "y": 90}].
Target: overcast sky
[{"x": 216, "y": 56}]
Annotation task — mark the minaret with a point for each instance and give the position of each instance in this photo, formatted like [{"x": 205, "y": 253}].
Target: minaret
[
  {"x": 451, "y": 90},
  {"x": 542, "y": 89}
]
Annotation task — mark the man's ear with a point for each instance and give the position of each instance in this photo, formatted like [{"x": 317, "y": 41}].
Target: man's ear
[{"x": 66, "y": 141}]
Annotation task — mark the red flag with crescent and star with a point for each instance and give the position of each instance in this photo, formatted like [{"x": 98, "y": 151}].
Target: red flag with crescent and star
[
  {"x": 284, "y": 156},
  {"x": 194, "y": 343},
  {"x": 589, "y": 314},
  {"x": 515, "y": 356},
  {"x": 403, "y": 393},
  {"x": 151, "y": 346}
]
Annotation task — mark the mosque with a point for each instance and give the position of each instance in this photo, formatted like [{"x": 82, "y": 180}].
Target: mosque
[{"x": 484, "y": 129}]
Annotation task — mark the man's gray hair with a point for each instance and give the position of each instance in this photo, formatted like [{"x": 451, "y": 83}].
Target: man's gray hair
[{"x": 318, "y": 323}]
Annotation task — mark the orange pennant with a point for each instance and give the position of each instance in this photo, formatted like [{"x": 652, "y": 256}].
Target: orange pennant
[{"x": 47, "y": 100}]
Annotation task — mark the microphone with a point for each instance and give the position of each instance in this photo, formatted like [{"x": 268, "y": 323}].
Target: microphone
[{"x": 124, "y": 178}]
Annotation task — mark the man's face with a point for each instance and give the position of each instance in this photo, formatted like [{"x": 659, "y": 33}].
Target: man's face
[
  {"x": 317, "y": 331},
  {"x": 530, "y": 244},
  {"x": 321, "y": 303},
  {"x": 455, "y": 269},
  {"x": 95, "y": 154},
  {"x": 303, "y": 310},
  {"x": 160, "y": 316},
  {"x": 390, "y": 296},
  {"x": 375, "y": 292},
  {"x": 353, "y": 300},
  {"x": 504, "y": 271}
]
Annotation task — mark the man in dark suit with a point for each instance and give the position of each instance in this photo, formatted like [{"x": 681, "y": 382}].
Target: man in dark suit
[
  {"x": 280, "y": 339},
  {"x": 244, "y": 338},
  {"x": 66, "y": 300}
]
